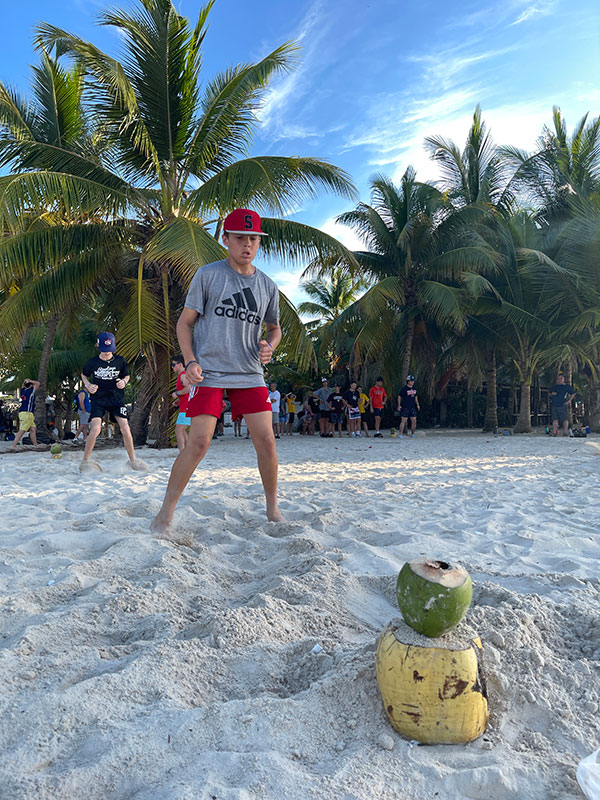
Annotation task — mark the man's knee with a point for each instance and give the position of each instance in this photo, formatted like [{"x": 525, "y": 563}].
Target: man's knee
[{"x": 197, "y": 445}]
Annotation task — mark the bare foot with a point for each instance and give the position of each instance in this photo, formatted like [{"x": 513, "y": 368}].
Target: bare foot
[
  {"x": 161, "y": 529},
  {"x": 274, "y": 514}
]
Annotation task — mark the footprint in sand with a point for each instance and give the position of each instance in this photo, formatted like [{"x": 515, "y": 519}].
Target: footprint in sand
[{"x": 90, "y": 467}]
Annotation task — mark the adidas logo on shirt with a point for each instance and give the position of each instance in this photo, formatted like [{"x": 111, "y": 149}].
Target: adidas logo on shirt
[{"x": 241, "y": 305}]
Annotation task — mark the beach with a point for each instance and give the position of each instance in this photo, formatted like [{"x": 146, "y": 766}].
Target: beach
[{"x": 133, "y": 667}]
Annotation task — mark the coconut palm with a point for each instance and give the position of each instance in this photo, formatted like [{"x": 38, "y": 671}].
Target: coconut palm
[
  {"x": 330, "y": 296},
  {"x": 419, "y": 265},
  {"x": 53, "y": 117},
  {"x": 175, "y": 162}
]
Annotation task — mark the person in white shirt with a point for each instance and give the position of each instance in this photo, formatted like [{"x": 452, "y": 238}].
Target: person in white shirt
[{"x": 275, "y": 398}]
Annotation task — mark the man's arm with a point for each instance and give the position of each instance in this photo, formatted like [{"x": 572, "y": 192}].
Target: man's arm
[
  {"x": 185, "y": 337},
  {"x": 417, "y": 402},
  {"x": 36, "y": 384}
]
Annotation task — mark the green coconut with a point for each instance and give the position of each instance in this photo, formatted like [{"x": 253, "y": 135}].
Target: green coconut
[
  {"x": 56, "y": 449},
  {"x": 433, "y": 596}
]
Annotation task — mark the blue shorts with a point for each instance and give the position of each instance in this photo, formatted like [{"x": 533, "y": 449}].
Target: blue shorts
[
  {"x": 183, "y": 419},
  {"x": 408, "y": 412},
  {"x": 378, "y": 412},
  {"x": 336, "y": 419}
]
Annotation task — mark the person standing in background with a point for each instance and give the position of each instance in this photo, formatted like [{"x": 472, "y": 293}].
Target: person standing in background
[
  {"x": 562, "y": 394},
  {"x": 377, "y": 399},
  {"x": 26, "y": 417},
  {"x": 180, "y": 395},
  {"x": 408, "y": 405},
  {"x": 363, "y": 404},
  {"x": 275, "y": 398},
  {"x": 324, "y": 409},
  {"x": 290, "y": 401}
]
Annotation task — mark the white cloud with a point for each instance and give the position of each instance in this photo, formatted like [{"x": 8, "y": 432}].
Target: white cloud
[
  {"x": 540, "y": 9},
  {"x": 343, "y": 234},
  {"x": 286, "y": 89}
]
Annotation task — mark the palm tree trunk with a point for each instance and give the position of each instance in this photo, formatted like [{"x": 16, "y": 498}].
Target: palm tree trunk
[
  {"x": 143, "y": 404},
  {"x": 410, "y": 335},
  {"x": 524, "y": 421},
  {"x": 40, "y": 396},
  {"x": 491, "y": 399}
]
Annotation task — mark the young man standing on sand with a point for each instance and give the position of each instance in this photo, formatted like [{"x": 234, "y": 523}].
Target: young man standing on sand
[
  {"x": 83, "y": 412},
  {"x": 363, "y": 402},
  {"x": 275, "y": 398},
  {"x": 180, "y": 395},
  {"x": 351, "y": 399},
  {"x": 377, "y": 399},
  {"x": 408, "y": 405},
  {"x": 290, "y": 402},
  {"x": 336, "y": 403},
  {"x": 26, "y": 416},
  {"x": 562, "y": 394},
  {"x": 220, "y": 335},
  {"x": 324, "y": 409},
  {"x": 110, "y": 375}
]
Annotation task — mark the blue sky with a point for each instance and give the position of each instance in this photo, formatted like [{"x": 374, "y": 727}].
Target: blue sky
[{"x": 376, "y": 76}]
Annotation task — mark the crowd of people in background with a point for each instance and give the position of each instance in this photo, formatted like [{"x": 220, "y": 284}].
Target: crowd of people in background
[{"x": 329, "y": 410}]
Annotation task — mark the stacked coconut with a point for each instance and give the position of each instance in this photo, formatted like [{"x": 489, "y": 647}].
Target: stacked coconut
[{"x": 429, "y": 675}]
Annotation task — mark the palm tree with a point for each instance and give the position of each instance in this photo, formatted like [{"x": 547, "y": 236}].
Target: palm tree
[
  {"x": 330, "y": 296},
  {"x": 418, "y": 266},
  {"x": 175, "y": 163},
  {"x": 52, "y": 118}
]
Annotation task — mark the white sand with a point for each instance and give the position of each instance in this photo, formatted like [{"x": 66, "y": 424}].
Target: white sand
[{"x": 135, "y": 668}]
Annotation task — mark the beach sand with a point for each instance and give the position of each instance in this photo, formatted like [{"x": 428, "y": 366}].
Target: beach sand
[{"x": 132, "y": 667}]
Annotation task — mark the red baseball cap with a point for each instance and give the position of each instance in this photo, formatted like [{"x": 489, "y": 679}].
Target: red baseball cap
[{"x": 242, "y": 220}]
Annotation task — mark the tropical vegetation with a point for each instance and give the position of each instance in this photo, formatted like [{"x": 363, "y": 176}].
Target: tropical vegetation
[{"x": 119, "y": 170}]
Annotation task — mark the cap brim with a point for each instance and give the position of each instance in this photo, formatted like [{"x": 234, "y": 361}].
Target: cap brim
[{"x": 249, "y": 233}]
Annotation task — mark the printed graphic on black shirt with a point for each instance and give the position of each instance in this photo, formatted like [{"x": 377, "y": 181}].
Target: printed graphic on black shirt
[{"x": 105, "y": 374}]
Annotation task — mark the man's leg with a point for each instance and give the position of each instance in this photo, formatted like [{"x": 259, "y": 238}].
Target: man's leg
[
  {"x": 555, "y": 427},
  {"x": 365, "y": 425},
  {"x": 199, "y": 439},
  {"x": 33, "y": 435},
  {"x": 95, "y": 426},
  {"x": 20, "y": 434},
  {"x": 566, "y": 427},
  {"x": 127, "y": 437},
  {"x": 413, "y": 424},
  {"x": 260, "y": 427},
  {"x": 377, "y": 423},
  {"x": 180, "y": 436}
]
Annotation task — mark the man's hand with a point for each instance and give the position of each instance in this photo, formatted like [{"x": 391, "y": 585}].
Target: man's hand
[
  {"x": 92, "y": 388},
  {"x": 265, "y": 352},
  {"x": 193, "y": 374},
  {"x": 174, "y": 395},
  {"x": 120, "y": 383}
]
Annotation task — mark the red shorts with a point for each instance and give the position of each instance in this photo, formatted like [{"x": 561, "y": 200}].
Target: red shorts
[{"x": 208, "y": 400}]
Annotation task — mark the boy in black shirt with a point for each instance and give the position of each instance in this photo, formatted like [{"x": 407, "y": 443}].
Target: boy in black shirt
[
  {"x": 351, "y": 400},
  {"x": 408, "y": 405},
  {"x": 336, "y": 417},
  {"x": 562, "y": 394},
  {"x": 109, "y": 375}
]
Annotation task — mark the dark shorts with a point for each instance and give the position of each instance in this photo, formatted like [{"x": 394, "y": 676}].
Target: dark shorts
[
  {"x": 364, "y": 416},
  {"x": 378, "y": 412},
  {"x": 291, "y": 416},
  {"x": 324, "y": 414},
  {"x": 408, "y": 412},
  {"x": 560, "y": 413},
  {"x": 335, "y": 418},
  {"x": 100, "y": 408},
  {"x": 208, "y": 400}
]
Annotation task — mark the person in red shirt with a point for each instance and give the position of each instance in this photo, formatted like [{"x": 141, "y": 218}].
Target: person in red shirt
[
  {"x": 180, "y": 395},
  {"x": 377, "y": 400}
]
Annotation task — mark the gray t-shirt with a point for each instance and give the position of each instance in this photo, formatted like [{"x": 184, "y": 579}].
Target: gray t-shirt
[
  {"x": 232, "y": 308},
  {"x": 323, "y": 394}
]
